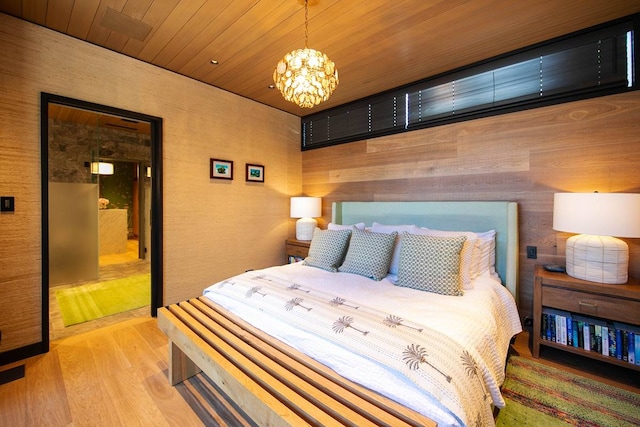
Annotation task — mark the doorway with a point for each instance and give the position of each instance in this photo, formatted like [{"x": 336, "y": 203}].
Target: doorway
[{"x": 102, "y": 204}]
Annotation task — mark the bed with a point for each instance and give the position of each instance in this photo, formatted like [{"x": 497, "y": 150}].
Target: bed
[{"x": 368, "y": 344}]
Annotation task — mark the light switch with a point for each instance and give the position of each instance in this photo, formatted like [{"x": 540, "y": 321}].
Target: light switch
[{"x": 7, "y": 204}]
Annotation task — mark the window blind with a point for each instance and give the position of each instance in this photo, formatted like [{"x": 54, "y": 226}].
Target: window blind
[{"x": 594, "y": 62}]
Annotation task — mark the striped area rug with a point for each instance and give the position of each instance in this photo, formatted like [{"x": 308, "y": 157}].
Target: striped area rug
[
  {"x": 212, "y": 405},
  {"x": 539, "y": 395}
]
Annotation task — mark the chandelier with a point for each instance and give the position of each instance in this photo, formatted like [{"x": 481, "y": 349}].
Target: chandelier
[{"x": 306, "y": 76}]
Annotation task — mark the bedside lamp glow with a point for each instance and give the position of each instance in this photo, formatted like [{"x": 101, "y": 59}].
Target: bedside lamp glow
[
  {"x": 595, "y": 255},
  {"x": 306, "y": 208}
]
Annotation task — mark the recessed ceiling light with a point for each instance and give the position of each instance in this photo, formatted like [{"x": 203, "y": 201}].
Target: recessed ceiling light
[
  {"x": 214, "y": 62},
  {"x": 272, "y": 86}
]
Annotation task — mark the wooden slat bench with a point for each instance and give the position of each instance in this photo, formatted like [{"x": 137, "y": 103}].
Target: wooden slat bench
[{"x": 273, "y": 383}]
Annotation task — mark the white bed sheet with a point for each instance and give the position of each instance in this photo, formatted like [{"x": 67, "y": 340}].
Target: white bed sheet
[{"x": 484, "y": 319}]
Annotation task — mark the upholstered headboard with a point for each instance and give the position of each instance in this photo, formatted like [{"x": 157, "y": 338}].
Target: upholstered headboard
[{"x": 453, "y": 216}]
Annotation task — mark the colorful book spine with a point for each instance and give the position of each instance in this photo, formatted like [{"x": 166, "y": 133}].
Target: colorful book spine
[
  {"x": 605, "y": 340},
  {"x": 612, "y": 342},
  {"x": 593, "y": 333},
  {"x": 619, "y": 344},
  {"x": 580, "y": 334},
  {"x": 557, "y": 326},
  {"x": 587, "y": 336},
  {"x": 612, "y": 339},
  {"x": 563, "y": 329}
]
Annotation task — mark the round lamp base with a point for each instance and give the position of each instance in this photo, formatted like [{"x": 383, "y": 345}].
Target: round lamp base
[
  {"x": 598, "y": 259},
  {"x": 305, "y": 228}
]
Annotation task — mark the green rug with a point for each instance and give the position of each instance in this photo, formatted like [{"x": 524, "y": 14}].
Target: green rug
[
  {"x": 93, "y": 301},
  {"x": 539, "y": 395}
]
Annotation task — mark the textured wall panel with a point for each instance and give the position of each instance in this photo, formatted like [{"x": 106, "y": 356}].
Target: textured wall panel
[
  {"x": 212, "y": 228},
  {"x": 525, "y": 157}
]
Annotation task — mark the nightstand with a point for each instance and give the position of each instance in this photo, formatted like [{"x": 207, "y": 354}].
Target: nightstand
[
  {"x": 296, "y": 250},
  {"x": 599, "y": 303}
]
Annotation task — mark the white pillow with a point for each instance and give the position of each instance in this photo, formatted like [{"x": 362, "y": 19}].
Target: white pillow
[
  {"x": 388, "y": 229},
  {"x": 332, "y": 226},
  {"x": 486, "y": 251},
  {"x": 467, "y": 260}
]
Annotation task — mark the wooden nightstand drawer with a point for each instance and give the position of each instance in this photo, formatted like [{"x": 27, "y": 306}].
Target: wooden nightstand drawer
[
  {"x": 297, "y": 251},
  {"x": 617, "y": 305},
  {"x": 612, "y": 308}
]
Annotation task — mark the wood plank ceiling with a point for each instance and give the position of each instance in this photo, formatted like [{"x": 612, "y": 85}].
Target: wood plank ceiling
[{"x": 376, "y": 44}]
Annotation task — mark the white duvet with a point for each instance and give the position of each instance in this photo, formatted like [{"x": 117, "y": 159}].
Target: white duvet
[{"x": 482, "y": 321}]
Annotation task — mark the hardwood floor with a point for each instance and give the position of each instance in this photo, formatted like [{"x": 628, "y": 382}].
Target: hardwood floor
[
  {"x": 112, "y": 376},
  {"x": 117, "y": 375}
]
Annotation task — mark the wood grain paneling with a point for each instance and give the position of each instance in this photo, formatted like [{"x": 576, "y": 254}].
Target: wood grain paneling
[
  {"x": 524, "y": 157},
  {"x": 212, "y": 228},
  {"x": 377, "y": 45}
]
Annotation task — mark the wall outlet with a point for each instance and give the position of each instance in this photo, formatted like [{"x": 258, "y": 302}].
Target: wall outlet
[
  {"x": 532, "y": 252},
  {"x": 7, "y": 204}
]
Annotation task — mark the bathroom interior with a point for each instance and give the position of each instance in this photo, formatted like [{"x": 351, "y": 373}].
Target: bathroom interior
[{"x": 99, "y": 170}]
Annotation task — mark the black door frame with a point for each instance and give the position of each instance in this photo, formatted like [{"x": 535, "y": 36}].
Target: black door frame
[{"x": 156, "y": 198}]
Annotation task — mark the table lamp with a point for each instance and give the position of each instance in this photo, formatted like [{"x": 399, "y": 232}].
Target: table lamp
[
  {"x": 306, "y": 208},
  {"x": 595, "y": 255}
]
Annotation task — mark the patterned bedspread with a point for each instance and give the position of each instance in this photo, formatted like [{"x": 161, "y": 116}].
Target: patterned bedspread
[{"x": 457, "y": 378}]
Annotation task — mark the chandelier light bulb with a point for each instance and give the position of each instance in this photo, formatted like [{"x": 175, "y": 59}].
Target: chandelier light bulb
[{"x": 306, "y": 76}]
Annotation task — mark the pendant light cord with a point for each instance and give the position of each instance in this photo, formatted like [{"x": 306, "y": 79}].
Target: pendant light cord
[{"x": 306, "y": 24}]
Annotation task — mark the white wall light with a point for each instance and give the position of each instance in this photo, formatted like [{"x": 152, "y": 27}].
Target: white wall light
[{"x": 101, "y": 168}]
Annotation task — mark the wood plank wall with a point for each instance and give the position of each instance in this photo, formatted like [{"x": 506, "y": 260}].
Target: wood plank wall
[
  {"x": 212, "y": 228},
  {"x": 524, "y": 157}
]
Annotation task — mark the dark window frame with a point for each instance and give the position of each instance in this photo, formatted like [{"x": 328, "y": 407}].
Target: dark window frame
[{"x": 563, "y": 63}]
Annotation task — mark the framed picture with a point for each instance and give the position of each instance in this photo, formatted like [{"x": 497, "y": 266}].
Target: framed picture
[
  {"x": 255, "y": 173},
  {"x": 221, "y": 169}
]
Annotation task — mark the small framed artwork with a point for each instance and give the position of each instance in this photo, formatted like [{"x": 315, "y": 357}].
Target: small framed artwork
[
  {"x": 221, "y": 169},
  {"x": 255, "y": 173}
]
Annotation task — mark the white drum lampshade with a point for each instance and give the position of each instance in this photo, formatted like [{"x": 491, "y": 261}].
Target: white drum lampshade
[
  {"x": 307, "y": 209},
  {"x": 595, "y": 255}
]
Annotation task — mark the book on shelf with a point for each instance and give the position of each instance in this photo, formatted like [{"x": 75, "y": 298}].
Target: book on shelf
[
  {"x": 293, "y": 259},
  {"x": 555, "y": 326},
  {"x": 605, "y": 340},
  {"x": 629, "y": 334},
  {"x": 586, "y": 330},
  {"x": 612, "y": 339}
]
